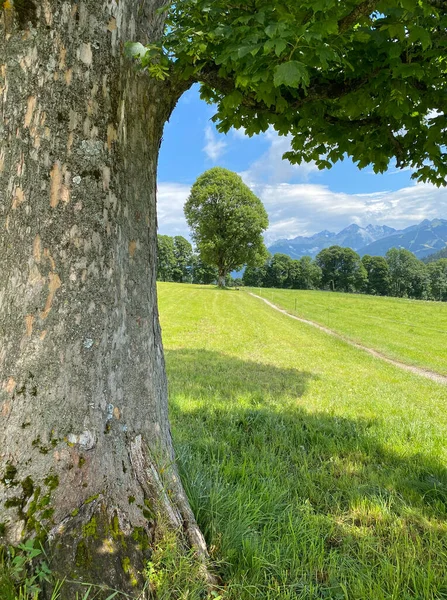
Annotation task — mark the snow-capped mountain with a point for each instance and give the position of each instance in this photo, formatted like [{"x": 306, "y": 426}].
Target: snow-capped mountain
[
  {"x": 354, "y": 237},
  {"x": 422, "y": 239}
]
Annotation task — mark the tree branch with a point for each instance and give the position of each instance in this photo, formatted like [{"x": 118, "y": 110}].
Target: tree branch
[
  {"x": 362, "y": 10},
  {"x": 317, "y": 91},
  {"x": 439, "y": 4},
  {"x": 377, "y": 122},
  {"x": 398, "y": 149}
]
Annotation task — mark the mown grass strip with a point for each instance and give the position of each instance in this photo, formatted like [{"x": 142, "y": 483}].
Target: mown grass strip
[
  {"x": 423, "y": 372},
  {"x": 413, "y": 331}
]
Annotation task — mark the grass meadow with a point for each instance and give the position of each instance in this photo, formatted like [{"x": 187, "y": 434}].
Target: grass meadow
[
  {"x": 315, "y": 470},
  {"x": 413, "y": 331}
]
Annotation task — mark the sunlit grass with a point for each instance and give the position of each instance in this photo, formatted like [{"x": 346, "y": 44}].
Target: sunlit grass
[
  {"x": 410, "y": 330},
  {"x": 315, "y": 470}
]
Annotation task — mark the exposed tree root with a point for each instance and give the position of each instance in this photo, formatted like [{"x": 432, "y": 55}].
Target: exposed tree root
[{"x": 98, "y": 543}]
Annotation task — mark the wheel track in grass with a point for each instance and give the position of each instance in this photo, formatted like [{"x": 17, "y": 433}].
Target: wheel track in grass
[{"x": 427, "y": 373}]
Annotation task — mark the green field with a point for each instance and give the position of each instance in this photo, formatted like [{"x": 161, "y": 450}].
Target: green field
[
  {"x": 315, "y": 470},
  {"x": 413, "y": 331}
]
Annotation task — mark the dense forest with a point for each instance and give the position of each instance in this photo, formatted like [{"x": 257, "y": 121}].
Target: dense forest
[{"x": 400, "y": 273}]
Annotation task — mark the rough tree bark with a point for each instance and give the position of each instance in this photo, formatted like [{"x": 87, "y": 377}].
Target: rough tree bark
[{"x": 84, "y": 431}]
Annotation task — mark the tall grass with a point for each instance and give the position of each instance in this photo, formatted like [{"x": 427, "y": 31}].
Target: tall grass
[{"x": 315, "y": 471}]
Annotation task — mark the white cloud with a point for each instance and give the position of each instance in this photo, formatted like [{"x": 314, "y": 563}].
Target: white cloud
[
  {"x": 239, "y": 133},
  {"x": 214, "y": 147},
  {"x": 171, "y": 199},
  {"x": 272, "y": 168},
  {"x": 304, "y": 209}
]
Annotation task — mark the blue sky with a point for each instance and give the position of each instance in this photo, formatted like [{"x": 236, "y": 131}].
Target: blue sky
[{"x": 300, "y": 200}]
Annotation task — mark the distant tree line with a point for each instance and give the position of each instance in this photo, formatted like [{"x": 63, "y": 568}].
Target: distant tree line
[
  {"x": 178, "y": 262},
  {"x": 400, "y": 273}
]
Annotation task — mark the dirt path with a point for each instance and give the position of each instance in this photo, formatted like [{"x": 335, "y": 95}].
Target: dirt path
[{"x": 397, "y": 363}]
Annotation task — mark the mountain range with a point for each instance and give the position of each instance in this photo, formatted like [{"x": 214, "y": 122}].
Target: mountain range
[{"x": 423, "y": 239}]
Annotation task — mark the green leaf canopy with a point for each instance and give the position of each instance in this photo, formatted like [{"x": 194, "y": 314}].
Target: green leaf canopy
[{"x": 363, "y": 78}]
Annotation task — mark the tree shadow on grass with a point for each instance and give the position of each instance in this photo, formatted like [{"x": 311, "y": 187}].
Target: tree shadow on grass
[
  {"x": 258, "y": 467},
  {"x": 205, "y": 374}
]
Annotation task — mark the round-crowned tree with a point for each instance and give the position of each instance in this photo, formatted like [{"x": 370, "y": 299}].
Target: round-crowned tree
[{"x": 227, "y": 222}]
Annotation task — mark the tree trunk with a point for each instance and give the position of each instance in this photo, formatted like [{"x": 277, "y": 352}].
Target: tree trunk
[
  {"x": 84, "y": 431},
  {"x": 221, "y": 279}
]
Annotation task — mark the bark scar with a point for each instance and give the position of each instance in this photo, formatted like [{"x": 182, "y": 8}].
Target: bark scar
[
  {"x": 29, "y": 320},
  {"x": 53, "y": 285}
]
